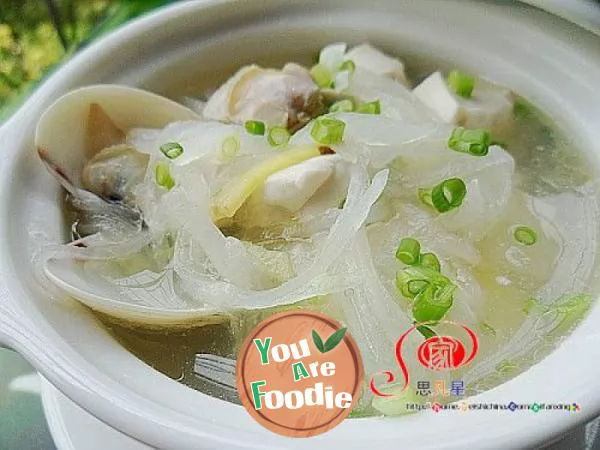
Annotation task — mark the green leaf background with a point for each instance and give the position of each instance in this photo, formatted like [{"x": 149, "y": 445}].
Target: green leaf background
[{"x": 36, "y": 35}]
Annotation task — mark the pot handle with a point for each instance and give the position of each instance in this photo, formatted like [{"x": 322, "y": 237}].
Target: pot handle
[{"x": 10, "y": 323}]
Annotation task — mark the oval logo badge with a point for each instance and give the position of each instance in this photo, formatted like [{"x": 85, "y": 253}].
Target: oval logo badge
[{"x": 299, "y": 373}]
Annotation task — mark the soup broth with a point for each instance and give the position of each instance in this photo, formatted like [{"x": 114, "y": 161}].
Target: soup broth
[{"x": 549, "y": 171}]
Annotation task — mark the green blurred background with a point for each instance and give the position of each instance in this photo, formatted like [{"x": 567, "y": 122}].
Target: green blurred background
[{"x": 35, "y": 35}]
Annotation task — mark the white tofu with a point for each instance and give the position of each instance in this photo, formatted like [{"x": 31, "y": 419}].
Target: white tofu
[
  {"x": 291, "y": 188},
  {"x": 435, "y": 93},
  {"x": 332, "y": 56},
  {"x": 369, "y": 58},
  {"x": 490, "y": 106}
]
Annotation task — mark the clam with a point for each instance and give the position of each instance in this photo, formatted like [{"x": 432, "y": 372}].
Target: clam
[
  {"x": 152, "y": 305},
  {"x": 81, "y": 139},
  {"x": 286, "y": 97},
  {"x": 91, "y": 124}
]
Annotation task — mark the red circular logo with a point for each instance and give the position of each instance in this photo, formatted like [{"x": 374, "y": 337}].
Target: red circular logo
[
  {"x": 438, "y": 353},
  {"x": 441, "y": 353}
]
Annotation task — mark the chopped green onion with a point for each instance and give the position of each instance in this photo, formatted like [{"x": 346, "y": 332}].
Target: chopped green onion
[
  {"x": 230, "y": 148},
  {"x": 431, "y": 261},
  {"x": 529, "y": 305},
  {"x": 522, "y": 108},
  {"x": 505, "y": 366},
  {"x": 328, "y": 131},
  {"x": 426, "y": 332},
  {"x": 525, "y": 235},
  {"x": 425, "y": 196},
  {"x": 163, "y": 176},
  {"x": 321, "y": 75},
  {"x": 373, "y": 107},
  {"x": 409, "y": 284},
  {"x": 255, "y": 127},
  {"x": 419, "y": 272},
  {"x": 473, "y": 142},
  {"x": 348, "y": 66},
  {"x": 342, "y": 106},
  {"x": 414, "y": 279},
  {"x": 402, "y": 279},
  {"x": 408, "y": 251},
  {"x": 488, "y": 329},
  {"x": 433, "y": 302},
  {"x": 449, "y": 194},
  {"x": 406, "y": 293},
  {"x": 278, "y": 136},
  {"x": 415, "y": 287},
  {"x": 461, "y": 83},
  {"x": 172, "y": 150},
  {"x": 568, "y": 309},
  {"x": 564, "y": 312}
]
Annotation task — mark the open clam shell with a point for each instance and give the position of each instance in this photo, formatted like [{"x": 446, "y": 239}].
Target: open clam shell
[
  {"x": 62, "y": 132},
  {"x": 65, "y": 145},
  {"x": 153, "y": 305}
]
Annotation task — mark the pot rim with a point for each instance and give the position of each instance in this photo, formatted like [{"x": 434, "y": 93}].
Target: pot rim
[{"x": 148, "y": 421}]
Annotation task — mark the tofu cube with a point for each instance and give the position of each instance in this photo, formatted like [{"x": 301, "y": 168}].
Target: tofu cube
[
  {"x": 435, "y": 93},
  {"x": 369, "y": 58},
  {"x": 291, "y": 188},
  {"x": 490, "y": 106}
]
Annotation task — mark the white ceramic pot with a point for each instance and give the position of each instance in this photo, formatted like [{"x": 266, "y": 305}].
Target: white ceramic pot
[{"x": 550, "y": 61}]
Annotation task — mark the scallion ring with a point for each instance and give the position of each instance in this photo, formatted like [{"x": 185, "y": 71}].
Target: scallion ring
[
  {"x": 415, "y": 287},
  {"x": 342, "y": 106},
  {"x": 278, "y": 136},
  {"x": 172, "y": 150},
  {"x": 525, "y": 235},
  {"x": 448, "y": 195},
  {"x": 408, "y": 251},
  {"x": 328, "y": 131},
  {"x": 434, "y": 302},
  {"x": 473, "y": 142},
  {"x": 230, "y": 148},
  {"x": 348, "y": 66},
  {"x": 373, "y": 107},
  {"x": 425, "y": 196},
  {"x": 431, "y": 261},
  {"x": 409, "y": 285},
  {"x": 162, "y": 173},
  {"x": 414, "y": 279},
  {"x": 255, "y": 127},
  {"x": 321, "y": 75},
  {"x": 461, "y": 83}
]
